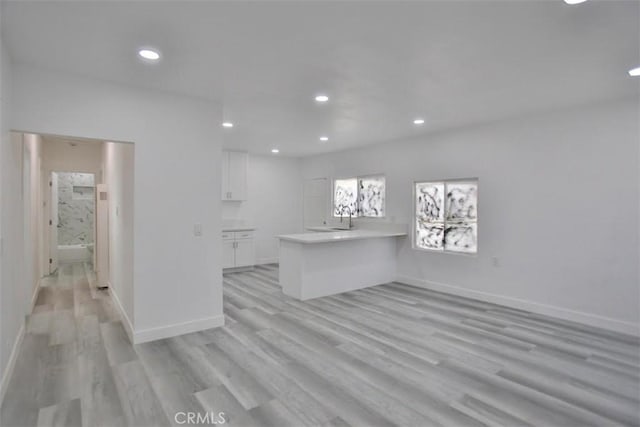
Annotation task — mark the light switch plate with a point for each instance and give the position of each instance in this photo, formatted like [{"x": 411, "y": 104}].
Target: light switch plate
[{"x": 197, "y": 230}]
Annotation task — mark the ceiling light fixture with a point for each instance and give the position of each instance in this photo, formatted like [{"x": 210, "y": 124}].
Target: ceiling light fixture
[
  {"x": 572, "y": 2},
  {"x": 418, "y": 122},
  {"x": 149, "y": 54},
  {"x": 275, "y": 150},
  {"x": 324, "y": 138},
  {"x": 634, "y": 72},
  {"x": 322, "y": 98},
  {"x": 227, "y": 124}
]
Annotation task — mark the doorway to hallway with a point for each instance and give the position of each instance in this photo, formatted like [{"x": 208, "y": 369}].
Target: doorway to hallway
[{"x": 78, "y": 209}]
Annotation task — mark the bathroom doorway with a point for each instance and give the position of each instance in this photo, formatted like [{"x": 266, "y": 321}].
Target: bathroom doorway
[{"x": 72, "y": 218}]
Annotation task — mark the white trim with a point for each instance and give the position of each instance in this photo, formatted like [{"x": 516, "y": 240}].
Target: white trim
[
  {"x": 126, "y": 322},
  {"x": 8, "y": 371},
  {"x": 595, "y": 320},
  {"x": 161, "y": 332}
]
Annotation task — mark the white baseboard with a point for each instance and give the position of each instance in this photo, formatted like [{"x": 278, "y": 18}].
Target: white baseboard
[
  {"x": 11, "y": 364},
  {"x": 615, "y": 325},
  {"x": 34, "y": 297},
  {"x": 152, "y": 334},
  {"x": 126, "y": 322},
  {"x": 8, "y": 372}
]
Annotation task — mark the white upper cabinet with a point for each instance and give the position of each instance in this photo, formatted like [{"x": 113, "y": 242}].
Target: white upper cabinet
[{"x": 234, "y": 175}]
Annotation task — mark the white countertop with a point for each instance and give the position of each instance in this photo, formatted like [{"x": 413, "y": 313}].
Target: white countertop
[
  {"x": 338, "y": 236},
  {"x": 326, "y": 228},
  {"x": 238, "y": 228}
]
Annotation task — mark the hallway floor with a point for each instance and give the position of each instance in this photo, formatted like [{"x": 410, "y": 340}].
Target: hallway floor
[{"x": 389, "y": 355}]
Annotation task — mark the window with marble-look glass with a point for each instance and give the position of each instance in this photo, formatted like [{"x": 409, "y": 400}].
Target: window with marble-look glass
[
  {"x": 362, "y": 196},
  {"x": 446, "y": 216},
  {"x": 345, "y": 196},
  {"x": 371, "y": 196}
]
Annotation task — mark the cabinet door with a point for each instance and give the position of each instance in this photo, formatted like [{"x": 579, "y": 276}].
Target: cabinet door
[
  {"x": 228, "y": 254},
  {"x": 245, "y": 253},
  {"x": 237, "y": 175},
  {"x": 225, "y": 175}
]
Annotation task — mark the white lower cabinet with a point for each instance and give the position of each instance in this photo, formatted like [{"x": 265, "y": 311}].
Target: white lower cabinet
[
  {"x": 228, "y": 254},
  {"x": 238, "y": 249},
  {"x": 245, "y": 253}
]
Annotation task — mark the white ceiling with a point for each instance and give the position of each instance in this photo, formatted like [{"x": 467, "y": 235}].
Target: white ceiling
[{"x": 382, "y": 63}]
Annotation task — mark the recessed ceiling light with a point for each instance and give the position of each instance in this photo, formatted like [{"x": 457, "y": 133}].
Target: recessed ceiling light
[
  {"x": 574, "y": 1},
  {"x": 275, "y": 151},
  {"x": 322, "y": 98},
  {"x": 227, "y": 124},
  {"x": 324, "y": 138},
  {"x": 634, "y": 72},
  {"x": 149, "y": 54},
  {"x": 418, "y": 122}
]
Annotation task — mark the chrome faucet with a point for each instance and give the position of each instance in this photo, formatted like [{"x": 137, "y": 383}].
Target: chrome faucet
[{"x": 350, "y": 214}]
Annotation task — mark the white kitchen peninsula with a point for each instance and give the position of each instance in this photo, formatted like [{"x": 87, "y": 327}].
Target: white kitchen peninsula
[{"x": 319, "y": 264}]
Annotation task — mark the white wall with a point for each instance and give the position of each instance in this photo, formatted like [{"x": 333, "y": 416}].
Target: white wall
[
  {"x": 32, "y": 196},
  {"x": 60, "y": 156},
  {"x": 558, "y": 206},
  {"x": 273, "y": 205},
  {"x": 177, "y": 277},
  {"x": 14, "y": 290},
  {"x": 118, "y": 176}
]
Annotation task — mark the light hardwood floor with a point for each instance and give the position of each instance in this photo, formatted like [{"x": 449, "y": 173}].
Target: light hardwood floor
[{"x": 389, "y": 355}]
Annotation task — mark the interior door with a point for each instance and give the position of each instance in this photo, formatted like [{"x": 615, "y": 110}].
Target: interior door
[
  {"x": 53, "y": 224},
  {"x": 316, "y": 202}
]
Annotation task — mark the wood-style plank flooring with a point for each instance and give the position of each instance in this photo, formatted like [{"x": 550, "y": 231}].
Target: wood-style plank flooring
[{"x": 388, "y": 355}]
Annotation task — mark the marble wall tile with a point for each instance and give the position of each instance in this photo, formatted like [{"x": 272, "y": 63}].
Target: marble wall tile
[{"x": 76, "y": 208}]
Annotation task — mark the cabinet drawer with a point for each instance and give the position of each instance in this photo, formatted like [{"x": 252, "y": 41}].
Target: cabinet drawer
[
  {"x": 244, "y": 234},
  {"x": 228, "y": 235}
]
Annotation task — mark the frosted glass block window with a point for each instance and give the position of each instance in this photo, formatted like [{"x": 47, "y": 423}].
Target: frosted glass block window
[
  {"x": 429, "y": 215},
  {"x": 446, "y": 216},
  {"x": 345, "y": 196},
  {"x": 364, "y": 196},
  {"x": 462, "y": 201},
  {"x": 371, "y": 196}
]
